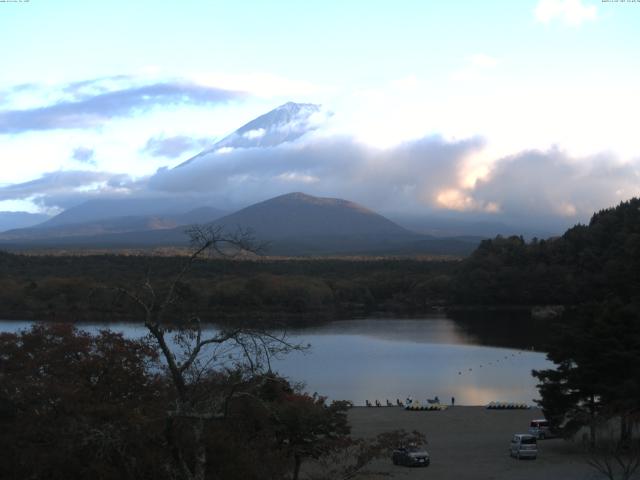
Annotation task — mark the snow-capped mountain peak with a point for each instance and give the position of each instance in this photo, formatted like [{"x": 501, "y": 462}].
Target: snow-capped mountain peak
[{"x": 285, "y": 123}]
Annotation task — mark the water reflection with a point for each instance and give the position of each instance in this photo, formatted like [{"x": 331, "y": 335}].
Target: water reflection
[
  {"x": 363, "y": 367},
  {"x": 384, "y": 359},
  {"x": 431, "y": 329},
  {"x": 503, "y": 328}
]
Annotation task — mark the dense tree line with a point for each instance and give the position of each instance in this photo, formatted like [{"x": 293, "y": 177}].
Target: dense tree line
[
  {"x": 81, "y": 287},
  {"x": 587, "y": 263}
]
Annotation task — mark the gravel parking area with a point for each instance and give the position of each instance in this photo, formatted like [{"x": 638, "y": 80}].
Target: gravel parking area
[{"x": 470, "y": 443}]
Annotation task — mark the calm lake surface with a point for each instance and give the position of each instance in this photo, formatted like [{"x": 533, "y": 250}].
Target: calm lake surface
[{"x": 395, "y": 358}]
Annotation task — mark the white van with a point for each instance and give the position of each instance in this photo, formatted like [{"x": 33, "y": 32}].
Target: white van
[
  {"x": 540, "y": 429},
  {"x": 524, "y": 445}
]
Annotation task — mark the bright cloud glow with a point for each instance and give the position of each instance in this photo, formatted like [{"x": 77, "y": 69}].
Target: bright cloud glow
[{"x": 454, "y": 199}]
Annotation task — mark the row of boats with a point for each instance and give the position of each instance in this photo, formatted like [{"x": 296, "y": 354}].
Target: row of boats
[
  {"x": 429, "y": 407},
  {"x": 508, "y": 406},
  {"x": 409, "y": 404},
  {"x": 433, "y": 404},
  {"x": 377, "y": 403}
]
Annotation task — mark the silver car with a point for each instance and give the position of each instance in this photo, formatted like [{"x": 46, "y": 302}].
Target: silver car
[
  {"x": 411, "y": 456},
  {"x": 523, "y": 445}
]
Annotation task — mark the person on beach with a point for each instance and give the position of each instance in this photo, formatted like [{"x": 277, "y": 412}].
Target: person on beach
[{"x": 453, "y": 401}]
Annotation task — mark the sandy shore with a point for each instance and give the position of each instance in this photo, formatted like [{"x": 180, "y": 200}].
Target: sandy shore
[{"x": 470, "y": 443}]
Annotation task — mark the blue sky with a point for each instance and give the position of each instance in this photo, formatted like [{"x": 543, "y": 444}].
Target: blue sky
[{"x": 557, "y": 77}]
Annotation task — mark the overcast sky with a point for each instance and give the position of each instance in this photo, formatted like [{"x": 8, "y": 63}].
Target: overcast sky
[{"x": 480, "y": 106}]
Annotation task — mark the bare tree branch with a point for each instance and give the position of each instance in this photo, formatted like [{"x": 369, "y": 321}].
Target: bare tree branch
[{"x": 197, "y": 400}]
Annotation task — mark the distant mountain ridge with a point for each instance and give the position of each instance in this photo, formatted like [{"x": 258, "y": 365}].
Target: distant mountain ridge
[
  {"x": 11, "y": 220},
  {"x": 455, "y": 226},
  {"x": 292, "y": 224},
  {"x": 110, "y": 208},
  {"x": 112, "y": 225}
]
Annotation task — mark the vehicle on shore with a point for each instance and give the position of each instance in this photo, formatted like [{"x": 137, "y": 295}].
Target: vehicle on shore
[
  {"x": 411, "y": 456},
  {"x": 540, "y": 429},
  {"x": 523, "y": 445}
]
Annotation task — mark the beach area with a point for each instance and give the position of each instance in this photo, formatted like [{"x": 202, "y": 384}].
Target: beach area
[{"x": 470, "y": 443}]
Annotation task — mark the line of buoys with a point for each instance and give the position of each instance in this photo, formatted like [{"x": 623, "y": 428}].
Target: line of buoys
[
  {"x": 496, "y": 363},
  {"x": 507, "y": 406}
]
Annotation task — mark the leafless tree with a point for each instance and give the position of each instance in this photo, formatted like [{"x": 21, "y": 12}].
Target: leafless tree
[
  {"x": 191, "y": 352},
  {"x": 616, "y": 455},
  {"x": 615, "y": 463}
]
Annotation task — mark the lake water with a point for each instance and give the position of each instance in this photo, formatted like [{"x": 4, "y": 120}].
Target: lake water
[{"x": 383, "y": 359}]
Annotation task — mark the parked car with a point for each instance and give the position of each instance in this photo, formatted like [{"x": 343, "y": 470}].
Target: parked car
[
  {"x": 523, "y": 445},
  {"x": 411, "y": 456},
  {"x": 540, "y": 429}
]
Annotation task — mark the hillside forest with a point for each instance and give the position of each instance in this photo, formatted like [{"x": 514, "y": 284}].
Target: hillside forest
[{"x": 590, "y": 262}]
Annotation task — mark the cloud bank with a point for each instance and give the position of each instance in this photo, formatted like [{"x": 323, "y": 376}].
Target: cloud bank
[
  {"x": 407, "y": 175},
  {"x": 174, "y": 147},
  {"x": 62, "y": 189},
  {"x": 91, "y": 103},
  {"x": 423, "y": 176},
  {"x": 548, "y": 184}
]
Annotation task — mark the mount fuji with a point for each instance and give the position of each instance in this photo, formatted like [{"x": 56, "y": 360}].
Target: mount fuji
[
  {"x": 286, "y": 123},
  {"x": 293, "y": 224}
]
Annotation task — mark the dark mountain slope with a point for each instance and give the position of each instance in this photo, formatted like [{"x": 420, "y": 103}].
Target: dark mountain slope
[{"x": 300, "y": 215}]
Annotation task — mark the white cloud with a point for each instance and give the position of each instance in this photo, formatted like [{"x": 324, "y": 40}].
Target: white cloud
[
  {"x": 263, "y": 85},
  {"x": 297, "y": 177},
  {"x": 19, "y": 206},
  {"x": 476, "y": 68},
  {"x": 481, "y": 60},
  {"x": 61, "y": 188},
  {"x": 409, "y": 82},
  {"x": 571, "y": 12},
  {"x": 253, "y": 134},
  {"x": 404, "y": 177}
]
